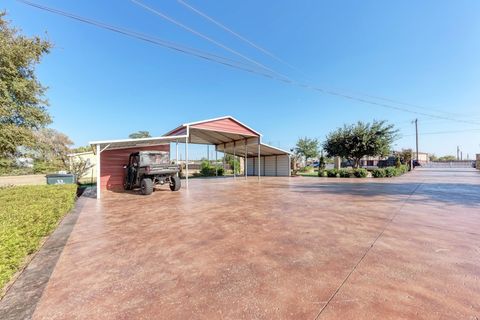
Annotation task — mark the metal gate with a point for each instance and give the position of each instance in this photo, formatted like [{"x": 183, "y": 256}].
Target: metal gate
[{"x": 450, "y": 164}]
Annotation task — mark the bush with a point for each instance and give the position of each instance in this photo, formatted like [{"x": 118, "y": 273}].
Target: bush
[
  {"x": 332, "y": 173},
  {"x": 322, "y": 173},
  {"x": 208, "y": 170},
  {"x": 360, "y": 173},
  {"x": 379, "y": 173},
  {"x": 390, "y": 171},
  {"x": 402, "y": 169},
  {"x": 345, "y": 173}
]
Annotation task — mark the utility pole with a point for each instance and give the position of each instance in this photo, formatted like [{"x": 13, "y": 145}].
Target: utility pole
[{"x": 416, "y": 136}]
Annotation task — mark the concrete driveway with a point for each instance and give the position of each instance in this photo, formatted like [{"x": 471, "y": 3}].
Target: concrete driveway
[{"x": 281, "y": 248}]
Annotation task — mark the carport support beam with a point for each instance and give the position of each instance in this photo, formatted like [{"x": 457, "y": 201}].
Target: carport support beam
[
  {"x": 246, "y": 161},
  {"x": 186, "y": 162},
  {"x": 176, "y": 152},
  {"x": 98, "y": 172},
  {"x": 234, "y": 177},
  {"x": 216, "y": 160},
  {"x": 259, "y": 160}
]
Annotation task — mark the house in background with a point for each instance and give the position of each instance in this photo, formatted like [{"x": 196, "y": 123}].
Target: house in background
[
  {"x": 89, "y": 157},
  {"x": 371, "y": 162}
]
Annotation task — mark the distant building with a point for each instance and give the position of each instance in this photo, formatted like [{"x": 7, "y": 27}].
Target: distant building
[
  {"x": 91, "y": 161},
  {"x": 367, "y": 162}
]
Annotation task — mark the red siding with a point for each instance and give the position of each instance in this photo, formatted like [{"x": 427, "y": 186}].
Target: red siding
[
  {"x": 225, "y": 125},
  {"x": 112, "y": 162}
]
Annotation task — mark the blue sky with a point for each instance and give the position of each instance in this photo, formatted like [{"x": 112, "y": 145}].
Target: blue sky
[{"x": 103, "y": 85}]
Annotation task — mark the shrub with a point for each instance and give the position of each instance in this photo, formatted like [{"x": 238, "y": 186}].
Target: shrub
[
  {"x": 390, "y": 172},
  {"x": 379, "y": 173},
  {"x": 208, "y": 170},
  {"x": 27, "y": 215},
  {"x": 360, "y": 173},
  {"x": 345, "y": 173},
  {"x": 332, "y": 173},
  {"x": 322, "y": 173},
  {"x": 402, "y": 169}
]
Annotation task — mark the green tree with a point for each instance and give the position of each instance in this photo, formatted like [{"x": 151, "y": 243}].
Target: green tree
[
  {"x": 23, "y": 106},
  {"x": 233, "y": 162},
  {"x": 307, "y": 148},
  {"x": 53, "y": 146},
  {"x": 139, "y": 135},
  {"x": 406, "y": 155},
  {"x": 353, "y": 142}
]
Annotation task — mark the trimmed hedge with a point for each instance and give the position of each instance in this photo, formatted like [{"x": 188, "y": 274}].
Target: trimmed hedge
[
  {"x": 27, "y": 215},
  {"x": 389, "y": 172},
  {"x": 343, "y": 173},
  {"x": 360, "y": 173},
  {"x": 363, "y": 173}
]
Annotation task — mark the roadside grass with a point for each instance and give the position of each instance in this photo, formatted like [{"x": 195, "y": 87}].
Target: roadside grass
[{"x": 27, "y": 215}]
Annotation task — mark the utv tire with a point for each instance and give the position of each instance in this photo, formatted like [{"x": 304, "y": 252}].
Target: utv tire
[
  {"x": 146, "y": 186},
  {"x": 175, "y": 183}
]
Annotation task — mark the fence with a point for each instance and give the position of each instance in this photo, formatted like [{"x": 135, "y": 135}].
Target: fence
[{"x": 450, "y": 164}]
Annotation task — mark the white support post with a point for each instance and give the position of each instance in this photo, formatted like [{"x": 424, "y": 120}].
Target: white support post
[
  {"x": 186, "y": 162},
  {"x": 224, "y": 158},
  {"x": 234, "y": 176},
  {"x": 245, "y": 165},
  {"x": 259, "y": 160},
  {"x": 176, "y": 152},
  {"x": 216, "y": 161},
  {"x": 98, "y": 172}
]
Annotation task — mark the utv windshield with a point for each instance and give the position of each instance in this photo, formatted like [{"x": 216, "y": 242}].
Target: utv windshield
[{"x": 154, "y": 158}]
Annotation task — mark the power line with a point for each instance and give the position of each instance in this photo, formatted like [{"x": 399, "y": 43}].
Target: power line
[
  {"x": 224, "y": 27},
  {"x": 199, "y": 34},
  {"x": 444, "y": 132},
  {"x": 163, "y": 43},
  {"x": 228, "y": 62},
  {"x": 270, "y": 54},
  {"x": 287, "y": 79}
]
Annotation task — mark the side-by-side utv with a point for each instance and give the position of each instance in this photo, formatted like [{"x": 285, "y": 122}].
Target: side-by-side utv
[{"x": 145, "y": 169}]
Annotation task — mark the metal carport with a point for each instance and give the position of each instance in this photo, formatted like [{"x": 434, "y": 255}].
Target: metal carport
[
  {"x": 231, "y": 136},
  {"x": 227, "y": 134}
]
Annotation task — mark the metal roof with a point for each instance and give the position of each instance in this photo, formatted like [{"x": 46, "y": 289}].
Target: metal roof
[
  {"x": 227, "y": 135},
  {"x": 132, "y": 143},
  {"x": 252, "y": 150}
]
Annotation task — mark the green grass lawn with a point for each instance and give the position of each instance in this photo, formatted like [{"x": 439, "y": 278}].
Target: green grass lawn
[{"x": 27, "y": 215}]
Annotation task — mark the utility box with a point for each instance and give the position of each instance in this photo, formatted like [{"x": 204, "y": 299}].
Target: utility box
[{"x": 58, "y": 178}]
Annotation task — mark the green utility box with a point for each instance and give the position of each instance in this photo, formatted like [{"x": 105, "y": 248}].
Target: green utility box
[{"x": 58, "y": 178}]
